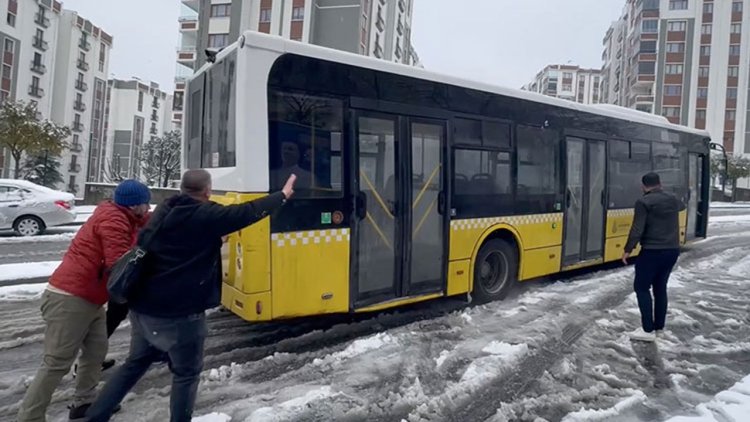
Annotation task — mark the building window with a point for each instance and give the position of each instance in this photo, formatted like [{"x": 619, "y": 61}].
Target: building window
[
  {"x": 671, "y": 111},
  {"x": 708, "y": 8},
  {"x": 567, "y": 75},
  {"x": 736, "y": 28},
  {"x": 220, "y": 10},
  {"x": 648, "y": 46},
  {"x": 673, "y": 90},
  {"x": 646, "y": 68},
  {"x": 651, "y": 5},
  {"x": 733, "y": 71},
  {"x": 567, "y": 87},
  {"x": 678, "y": 4},
  {"x": 734, "y": 50},
  {"x": 11, "y": 19},
  {"x": 676, "y": 26},
  {"x": 673, "y": 69},
  {"x": 675, "y": 47},
  {"x": 298, "y": 13},
  {"x": 705, "y": 50},
  {"x": 737, "y": 6},
  {"x": 35, "y": 83},
  {"x": 700, "y": 114},
  {"x": 140, "y": 100},
  {"x": 704, "y": 71},
  {"x": 218, "y": 40},
  {"x": 650, "y": 26},
  {"x": 9, "y": 45},
  {"x": 702, "y": 92},
  {"x": 731, "y": 115},
  {"x": 732, "y": 93},
  {"x": 706, "y": 29},
  {"x": 265, "y": 15},
  {"x": 7, "y": 71},
  {"x": 102, "y": 56}
]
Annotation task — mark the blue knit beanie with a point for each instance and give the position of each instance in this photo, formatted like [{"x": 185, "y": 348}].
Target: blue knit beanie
[{"x": 131, "y": 193}]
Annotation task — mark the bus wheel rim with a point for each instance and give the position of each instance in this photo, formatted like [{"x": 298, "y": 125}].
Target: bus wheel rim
[{"x": 494, "y": 272}]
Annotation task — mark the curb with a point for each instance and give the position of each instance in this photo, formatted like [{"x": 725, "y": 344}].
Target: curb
[{"x": 19, "y": 281}]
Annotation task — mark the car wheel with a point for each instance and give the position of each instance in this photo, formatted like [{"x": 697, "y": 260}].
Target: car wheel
[
  {"x": 495, "y": 270},
  {"x": 29, "y": 226}
]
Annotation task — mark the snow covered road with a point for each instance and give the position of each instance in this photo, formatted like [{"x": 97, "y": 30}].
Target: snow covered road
[{"x": 555, "y": 351}]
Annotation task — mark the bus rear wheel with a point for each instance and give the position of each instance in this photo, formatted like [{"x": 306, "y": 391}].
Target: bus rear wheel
[{"x": 495, "y": 270}]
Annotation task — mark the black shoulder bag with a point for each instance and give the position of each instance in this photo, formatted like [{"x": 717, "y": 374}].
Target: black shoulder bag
[{"x": 127, "y": 271}]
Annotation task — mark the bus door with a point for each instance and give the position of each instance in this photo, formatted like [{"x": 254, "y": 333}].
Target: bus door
[
  {"x": 695, "y": 183},
  {"x": 398, "y": 247},
  {"x": 584, "y": 201}
]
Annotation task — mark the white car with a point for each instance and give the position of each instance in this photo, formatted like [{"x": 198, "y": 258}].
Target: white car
[{"x": 29, "y": 208}]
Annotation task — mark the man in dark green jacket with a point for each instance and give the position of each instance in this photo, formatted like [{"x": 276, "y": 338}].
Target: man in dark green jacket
[{"x": 656, "y": 227}]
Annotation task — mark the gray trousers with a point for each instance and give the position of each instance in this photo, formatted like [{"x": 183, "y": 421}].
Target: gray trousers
[{"x": 72, "y": 325}]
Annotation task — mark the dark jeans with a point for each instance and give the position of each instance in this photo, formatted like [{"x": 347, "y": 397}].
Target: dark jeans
[
  {"x": 652, "y": 270},
  {"x": 116, "y": 314},
  {"x": 182, "y": 340}
]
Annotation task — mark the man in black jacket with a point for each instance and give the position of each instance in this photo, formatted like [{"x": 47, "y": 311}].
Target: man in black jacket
[
  {"x": 656, "y": 227},
  {"x": 182, "y": 280}
]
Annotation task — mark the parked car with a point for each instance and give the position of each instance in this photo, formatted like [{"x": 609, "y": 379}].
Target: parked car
[{"x": 29, "y": 209}]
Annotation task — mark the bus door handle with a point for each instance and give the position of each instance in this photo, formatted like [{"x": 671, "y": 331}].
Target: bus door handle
[
  {"x": 441, "y": 203},
  {"x": 360, "y": 205},
  {"x": 567, "y": 198}
]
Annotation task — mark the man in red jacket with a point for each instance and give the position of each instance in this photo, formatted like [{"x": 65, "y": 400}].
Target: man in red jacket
[{"x": 73, "y": 304}]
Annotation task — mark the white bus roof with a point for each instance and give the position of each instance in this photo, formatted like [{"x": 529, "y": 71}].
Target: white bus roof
[{"x": 281, "y": 45}]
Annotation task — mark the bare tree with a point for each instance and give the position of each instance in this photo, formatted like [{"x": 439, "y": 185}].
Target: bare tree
[{"x": 160, "y": 159}]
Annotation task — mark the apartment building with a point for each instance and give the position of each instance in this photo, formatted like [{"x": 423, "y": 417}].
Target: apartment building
[
  {"x": 79, "y": 90},
  {"x": 378, "y": 28},
  {"x": 688, "y": 60},
  {"x": 28, "y": 34},
  {"x": 568, "y": 82},
  {"x": 137, "y": 112}
]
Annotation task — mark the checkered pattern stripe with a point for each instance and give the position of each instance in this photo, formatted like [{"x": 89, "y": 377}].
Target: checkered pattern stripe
[
  {"x": 312, "y": 237},
  {"x": 621, "y": 213},
  {"x": 516, "y": 220}
]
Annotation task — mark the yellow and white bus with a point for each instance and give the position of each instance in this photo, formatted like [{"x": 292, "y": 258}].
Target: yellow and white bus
[{"x": 414, "y": 185}]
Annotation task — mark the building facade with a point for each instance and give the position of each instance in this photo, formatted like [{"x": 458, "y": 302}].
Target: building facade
[
  {"x": 79, "y": 97},
  {"x": 28, "y": 35},
  {"x": 137, "y": 112},
  {"x": 688, "y": 60},
  {"x": 378, "y": 28},
  {"x": 568, "y": 82}
]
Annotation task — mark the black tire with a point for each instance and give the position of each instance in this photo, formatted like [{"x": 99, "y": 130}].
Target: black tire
[
  {"x": 28, "y": 225},
  {"x": 495, "y": 270}
]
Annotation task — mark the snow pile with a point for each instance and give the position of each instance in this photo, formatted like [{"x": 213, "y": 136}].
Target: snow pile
[
  {"x": 732, "y": 405},
  {"x": 356, "y": 348},
  {"x": 22, "y": 292},
  {"x": 213, "y": 417},
  {"x": 291, "y": 409},
  {"x": 27, "y": 270},
  {"x": 717, "y": 205},
  {"x": 586, "y": 415},
  {"x": 62, "y": 237}
]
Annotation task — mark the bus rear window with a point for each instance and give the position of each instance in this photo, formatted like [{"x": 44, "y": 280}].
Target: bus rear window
[
  {"x": 305, "y": 138},
  {"x": 218, "y": 146}
]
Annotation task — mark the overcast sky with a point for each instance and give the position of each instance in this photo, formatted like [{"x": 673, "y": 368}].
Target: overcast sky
[{"x": 503, "y": 42}]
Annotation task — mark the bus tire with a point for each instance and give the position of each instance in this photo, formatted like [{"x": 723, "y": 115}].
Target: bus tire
[{"x": 495, "y": 270}]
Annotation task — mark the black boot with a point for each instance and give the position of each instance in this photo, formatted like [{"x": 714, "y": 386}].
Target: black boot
[
  {"x": 108, "y": 363},
  {"x": 79, "y": 412}
]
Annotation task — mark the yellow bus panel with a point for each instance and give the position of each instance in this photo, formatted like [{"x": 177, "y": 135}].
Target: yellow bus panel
[
  {"x": 310, "y": 272},
  {"x": 459, "y": 277},
  {"x": 540, "y": 262},
  {"x": 248, "y": 306}
]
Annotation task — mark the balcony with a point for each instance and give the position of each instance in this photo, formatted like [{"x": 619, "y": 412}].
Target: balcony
[
  {"x": 644, "y": 99},
  {"x": 79, "y": 106},
  {"x": 40, "y": 43},
  {"x": 186, "y": 56},
  {"x": 41, "y": 20},
  {"x": 380, "y": 23},
  {"x": 154, "y": 130},
  {"x": 154, "y": 117},
  {"x": 188, "y": 23},
  {"x": 82, "y": 64},
  {"x": 38, "y": 68},
  {"x": 77, "y": 127},
  {"x": 74, "y": 168},
  {"x": 76, "y": 147},
  {"x": 402, "y": 6},
  {"x": 35, "y": 91},
  {"x": 155, "y": 103},
  {"x": 194, "y": 5},
  {"x": 84, "y": 44},
  {"x": 82, "y": 86}
]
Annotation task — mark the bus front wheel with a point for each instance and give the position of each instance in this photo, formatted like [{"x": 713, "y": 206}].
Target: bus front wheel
[{"x": 495, "y": 270}]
